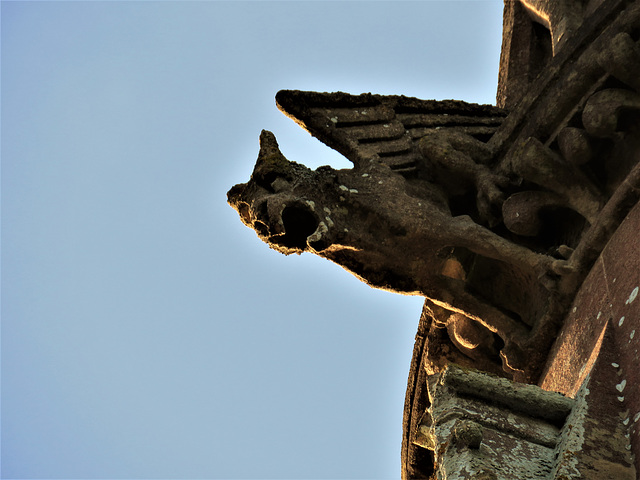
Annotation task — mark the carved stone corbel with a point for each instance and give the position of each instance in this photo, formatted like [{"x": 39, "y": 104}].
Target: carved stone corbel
[
  {"x": 478, "y": 424},
  {"x": 482, "y": 426}
]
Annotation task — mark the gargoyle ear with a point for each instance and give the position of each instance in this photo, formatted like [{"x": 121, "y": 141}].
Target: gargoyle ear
[
  {"x": 268, "y": 144},
  {"x": 271, "y": 163}
]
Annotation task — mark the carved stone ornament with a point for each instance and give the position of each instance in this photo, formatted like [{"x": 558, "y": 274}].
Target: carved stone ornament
[
  {"x": 483, "y": 426},
  {"x": 496, "y": 215}
]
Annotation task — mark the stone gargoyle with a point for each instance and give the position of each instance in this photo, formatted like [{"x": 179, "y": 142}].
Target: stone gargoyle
[{"x": 419, "y": 213}]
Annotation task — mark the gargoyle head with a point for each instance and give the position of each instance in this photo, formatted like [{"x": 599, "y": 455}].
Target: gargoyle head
[
  {"x": 354, "y": 217},
  {"x": 276, "y": 202}
]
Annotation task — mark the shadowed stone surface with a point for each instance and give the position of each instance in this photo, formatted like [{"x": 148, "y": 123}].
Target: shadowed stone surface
[{"x": 551, "y": 119}]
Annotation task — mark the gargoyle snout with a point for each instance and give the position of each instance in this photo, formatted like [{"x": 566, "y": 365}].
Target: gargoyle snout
[{"x": 285, "y": 223}]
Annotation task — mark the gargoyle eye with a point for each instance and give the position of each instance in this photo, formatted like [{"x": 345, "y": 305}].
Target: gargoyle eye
[{"x": 272, "y": 181}]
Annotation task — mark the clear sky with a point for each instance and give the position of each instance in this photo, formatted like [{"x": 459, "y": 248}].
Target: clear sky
[{"x": 146, "y": 332}]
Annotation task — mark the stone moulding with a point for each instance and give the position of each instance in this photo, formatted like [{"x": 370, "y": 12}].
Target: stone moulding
[
  {"x": 483, "y": 426},
  {"x": 478, "y": 424}
]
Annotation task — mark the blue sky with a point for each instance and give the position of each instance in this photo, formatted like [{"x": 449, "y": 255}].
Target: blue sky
[{"x": 146, "y": 332}]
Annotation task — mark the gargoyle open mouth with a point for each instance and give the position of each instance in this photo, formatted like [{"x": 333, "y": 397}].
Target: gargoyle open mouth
[{"x": 299, "y": 223}]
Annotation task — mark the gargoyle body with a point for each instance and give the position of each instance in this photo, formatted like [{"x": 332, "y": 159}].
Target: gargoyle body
[
  {"x": 392, "y": 233},
  {"x": 423, "y": 212}
]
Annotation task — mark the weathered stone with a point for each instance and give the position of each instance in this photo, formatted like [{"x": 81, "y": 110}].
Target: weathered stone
[
  {"x": 480, "y": 423},
  {"x": 603, "y": 111},
  {"x": 561, "y": 17},
  {"x": 622, "y": 60},
  {"x": 601, "y": 329},
  {"x": 501, "y": 222},
  {"x": 575, "y": 145},
  {"x": 595, "y": 440},
  {"x": 477, "y": 423},
  {"x": 468, "y": 434},
  {"x": 435, "y": 213},
  {"x": 551, "y": 110}
]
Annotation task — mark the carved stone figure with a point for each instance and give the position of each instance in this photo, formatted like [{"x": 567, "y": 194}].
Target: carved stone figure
[{"x": 414, "y": 215}]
